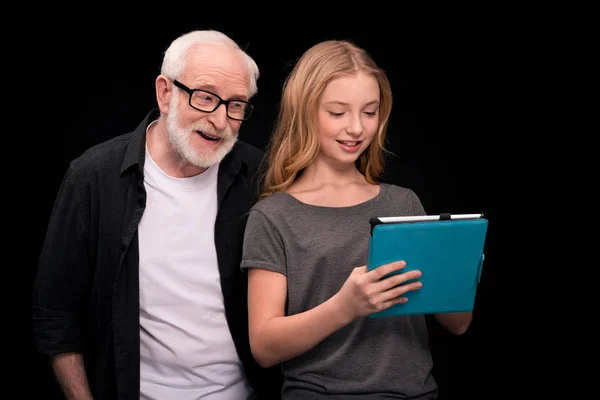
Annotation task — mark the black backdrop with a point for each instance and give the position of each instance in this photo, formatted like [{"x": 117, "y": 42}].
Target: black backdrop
[{"x": 445, "y": 121}]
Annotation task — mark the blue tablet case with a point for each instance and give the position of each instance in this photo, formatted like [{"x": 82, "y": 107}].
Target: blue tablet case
[{"x": 449, "y": 253}]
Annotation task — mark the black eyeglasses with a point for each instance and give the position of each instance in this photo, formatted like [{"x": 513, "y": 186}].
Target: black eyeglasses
[{"x": 205, "y": 101}]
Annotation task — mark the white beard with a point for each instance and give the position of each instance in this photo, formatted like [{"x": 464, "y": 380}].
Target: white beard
[{"x": 179, "y": 138}]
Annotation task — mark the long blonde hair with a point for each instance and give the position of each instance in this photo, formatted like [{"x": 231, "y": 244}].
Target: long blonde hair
[{"x": 295, "y": 143}]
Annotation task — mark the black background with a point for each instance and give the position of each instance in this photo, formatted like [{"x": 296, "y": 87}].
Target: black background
[{"x": 451, "y": 81}]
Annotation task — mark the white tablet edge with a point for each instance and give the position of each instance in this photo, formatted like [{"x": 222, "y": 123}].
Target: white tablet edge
[{"x": 427, "y": 218}]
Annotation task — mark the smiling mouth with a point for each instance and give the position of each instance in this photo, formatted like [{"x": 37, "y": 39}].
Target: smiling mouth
[
  {"x": 207, "y": 136},
  {"x": 349, "y": 142}
]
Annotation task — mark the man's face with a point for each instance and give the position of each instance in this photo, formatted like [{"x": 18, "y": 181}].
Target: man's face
[{"x": 198, "y": 137}]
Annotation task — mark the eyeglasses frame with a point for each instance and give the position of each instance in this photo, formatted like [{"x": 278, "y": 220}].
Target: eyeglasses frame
[{"x": 190, "y": 92}]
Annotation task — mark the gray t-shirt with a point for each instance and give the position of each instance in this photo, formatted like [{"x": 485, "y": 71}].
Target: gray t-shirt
[{"x": 316, "y": 248}]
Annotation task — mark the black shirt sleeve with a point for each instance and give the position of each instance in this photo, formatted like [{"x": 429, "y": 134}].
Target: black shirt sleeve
[{"x": 63, "y": 271}]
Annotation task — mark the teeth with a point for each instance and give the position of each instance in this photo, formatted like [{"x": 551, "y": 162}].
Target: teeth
[
  {"x": 210, "y": 136},
  {"x": 348, "y": 143}
]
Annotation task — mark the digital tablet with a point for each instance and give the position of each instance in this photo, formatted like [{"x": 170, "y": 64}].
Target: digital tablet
[{"x": 447, "y": 248}]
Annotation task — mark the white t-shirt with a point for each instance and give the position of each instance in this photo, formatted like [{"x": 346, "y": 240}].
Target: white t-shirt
[{"x": 186, "y": 348}]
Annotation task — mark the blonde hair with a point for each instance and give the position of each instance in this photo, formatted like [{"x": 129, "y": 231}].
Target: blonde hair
[{"x": 295, "y": 143}]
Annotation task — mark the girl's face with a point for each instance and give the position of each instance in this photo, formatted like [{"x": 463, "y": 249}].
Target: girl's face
[{"x": 348, "y": 117}]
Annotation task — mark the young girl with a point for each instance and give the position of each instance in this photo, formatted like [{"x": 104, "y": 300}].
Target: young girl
[{"x": 306, "y": 242}]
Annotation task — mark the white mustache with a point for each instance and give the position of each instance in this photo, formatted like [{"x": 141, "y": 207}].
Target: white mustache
[{"x": 209, "y": 130}]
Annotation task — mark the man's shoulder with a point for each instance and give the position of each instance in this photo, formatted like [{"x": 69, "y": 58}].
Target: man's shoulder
[
  {"x": 106, "y": 155},
  {"x": 248, "y": 153},
  {"x": 249, "y": 150}
]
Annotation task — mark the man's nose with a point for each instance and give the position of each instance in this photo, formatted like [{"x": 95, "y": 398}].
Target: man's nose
[{"x": 219, "y": 117}]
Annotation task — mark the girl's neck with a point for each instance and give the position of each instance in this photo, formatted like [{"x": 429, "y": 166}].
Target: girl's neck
[
  {"x": 332, "y": 190},
  {"x": 320, "y": 174}
]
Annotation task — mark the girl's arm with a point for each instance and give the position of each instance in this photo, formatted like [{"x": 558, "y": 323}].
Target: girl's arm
[
  {"x": 275, "y": 337},
  {"x": 456, "y": 323}
]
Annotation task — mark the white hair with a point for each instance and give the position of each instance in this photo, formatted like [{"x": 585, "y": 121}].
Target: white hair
[{"x": 174, "y": 59}]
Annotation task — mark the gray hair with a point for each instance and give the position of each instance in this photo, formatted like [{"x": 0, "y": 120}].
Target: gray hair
[{"x": 174, "y": 59}]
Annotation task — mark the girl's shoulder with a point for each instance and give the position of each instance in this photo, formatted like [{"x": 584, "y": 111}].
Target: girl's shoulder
[
  {"x": 274, "y": 203},
  {"x": 396, "y": 190}
]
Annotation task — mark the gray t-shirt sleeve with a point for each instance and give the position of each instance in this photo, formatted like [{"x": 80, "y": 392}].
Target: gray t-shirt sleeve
[
  {"x": 417, "y": 206},
  {"x": 263, "y": 245}
]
